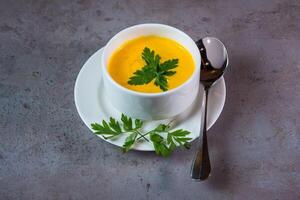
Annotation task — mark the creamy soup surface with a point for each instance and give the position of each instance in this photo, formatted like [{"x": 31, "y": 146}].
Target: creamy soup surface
[{"x": 127, "y": 59}]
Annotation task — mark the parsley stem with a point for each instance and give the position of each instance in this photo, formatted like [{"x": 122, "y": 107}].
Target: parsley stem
[
  {"x": 138, "y": 132},
  {"x": 141, "y": 136}
]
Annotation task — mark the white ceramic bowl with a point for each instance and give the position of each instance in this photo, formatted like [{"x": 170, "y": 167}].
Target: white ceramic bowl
[{"x": 151, "y": 106}]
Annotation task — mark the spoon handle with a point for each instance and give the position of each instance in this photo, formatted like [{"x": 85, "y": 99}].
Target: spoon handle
[{"x": 201, "y": 164}]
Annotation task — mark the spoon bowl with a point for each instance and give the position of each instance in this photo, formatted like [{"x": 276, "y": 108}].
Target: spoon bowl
[{"x": 214, "y": 59}]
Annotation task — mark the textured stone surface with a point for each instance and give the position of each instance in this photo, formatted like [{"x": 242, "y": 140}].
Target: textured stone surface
[{"x": 46, "y": 152}]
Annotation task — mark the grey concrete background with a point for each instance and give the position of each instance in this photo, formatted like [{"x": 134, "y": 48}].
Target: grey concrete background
[{"x": 46, "y": 152}]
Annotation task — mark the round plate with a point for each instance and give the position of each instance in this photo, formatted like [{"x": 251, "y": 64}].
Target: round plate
[{"x": 92, "y": 105}]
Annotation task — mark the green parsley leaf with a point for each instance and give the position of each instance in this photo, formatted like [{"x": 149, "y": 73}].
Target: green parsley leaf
[
  {"x": 115, "y": 125},
  {"x": 129, "y": 141},
  {"x": 150, "y": 58},
  {"x": 179, "y": 137},
  {"x": 127, "y": 122},
  {"x": 169, "y": 73},
  {"x": 154, "y": 70},
  {"x": 169, "y": 64},
  {"x": 138, "y": 123},
  {"x": 162, "y": 128},
  {"x": 144, "y": 76},
  {"x": 105, "y": 130},
  {"x": 159, "y": 145},
  {"x": 162, "y": 82}
]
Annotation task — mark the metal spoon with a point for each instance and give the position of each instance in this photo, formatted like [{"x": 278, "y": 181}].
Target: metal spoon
[{"x": 214, "y": 60}]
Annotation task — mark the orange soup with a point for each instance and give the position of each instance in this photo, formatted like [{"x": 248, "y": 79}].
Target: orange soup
[{"x": 127, "y": 59}]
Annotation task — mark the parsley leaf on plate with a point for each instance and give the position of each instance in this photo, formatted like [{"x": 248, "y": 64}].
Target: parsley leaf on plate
[
  {"x": 129, "y": 141},
  {"x": 163, "y": 139},
  {"x": 127, "y": 122},
  {"x": 179, "y": 137},
  {"x": 107, "y": 130},
  {"x": 160, "y": 145}
]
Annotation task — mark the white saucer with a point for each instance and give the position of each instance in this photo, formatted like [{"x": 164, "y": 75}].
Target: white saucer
[{"x": 93, "y": 107}]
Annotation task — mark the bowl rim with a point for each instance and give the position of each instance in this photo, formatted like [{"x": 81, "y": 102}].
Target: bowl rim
[{"x": 144, "y": 94}]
